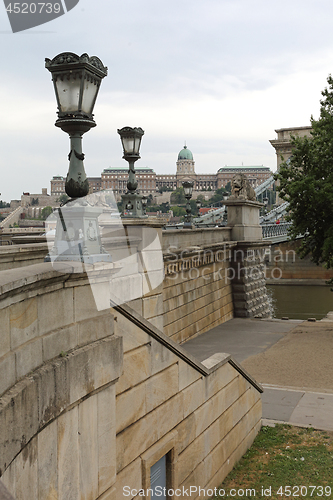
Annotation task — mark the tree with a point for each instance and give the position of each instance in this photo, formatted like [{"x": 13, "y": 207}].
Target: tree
[
  {"x": 63, "y": 198},
  {"x": 228, "y": 187},
  {"x": 217, "y": 196},
  {"x": 178, "y": 196},
  {"x": 306, "y": 182},
  {"x": 46, "y": 212},
  {"x": 178, "y": 211}
]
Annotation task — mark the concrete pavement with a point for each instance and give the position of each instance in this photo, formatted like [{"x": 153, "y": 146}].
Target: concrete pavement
[{"x": 256, "y": 343}]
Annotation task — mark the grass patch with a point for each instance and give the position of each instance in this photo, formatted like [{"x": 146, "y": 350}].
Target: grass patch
[{"x": 280, "y": 457}]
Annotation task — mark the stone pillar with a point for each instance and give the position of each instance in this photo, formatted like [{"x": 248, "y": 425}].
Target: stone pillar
[
  {"x": 247, "y": 260},
  {"x": 243, "y": 219},
  {"x": 135, "y": 244}
]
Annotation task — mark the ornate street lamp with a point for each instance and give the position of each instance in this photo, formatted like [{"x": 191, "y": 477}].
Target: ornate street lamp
[
  {"x": 76, "y": 82},
  {"x": 131, "y": 141},
  {"x": 188, "y": 188}
]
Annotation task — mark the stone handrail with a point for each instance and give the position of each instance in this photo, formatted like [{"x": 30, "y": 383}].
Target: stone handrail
[{"x": 205, "y": 368}]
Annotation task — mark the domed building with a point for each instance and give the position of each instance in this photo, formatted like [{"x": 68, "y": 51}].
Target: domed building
[
  {"x": 185, "y": 165},
  {"x": 149, "y": 182}
]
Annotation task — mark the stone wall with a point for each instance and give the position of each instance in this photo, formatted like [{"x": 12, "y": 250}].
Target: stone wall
[
  {"x": 197, "y": 292},
  {"x": 249, "y": 292},
  {"x": 59, "y": 361},
  {"x": 202, "y": 416},
  {"x": 91, "y": 399},
  {"x": 13, "y": 256},
  {"x": 186, "y": 239},
  {"x": 283, "y": 263}
]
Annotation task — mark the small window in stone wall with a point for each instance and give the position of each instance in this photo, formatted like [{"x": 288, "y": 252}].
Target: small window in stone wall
[{"x": 159, "y": 467}]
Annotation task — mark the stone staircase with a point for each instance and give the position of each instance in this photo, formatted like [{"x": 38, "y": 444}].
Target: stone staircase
[{"x": 12, "y": 218}]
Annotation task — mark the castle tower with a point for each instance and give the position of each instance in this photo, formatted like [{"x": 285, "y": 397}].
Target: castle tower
[{"x": 185, "y": 167}]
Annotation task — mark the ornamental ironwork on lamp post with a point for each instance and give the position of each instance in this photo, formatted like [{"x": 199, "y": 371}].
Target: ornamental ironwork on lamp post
[
  {"x": 132, "y": 199},
  {"x": 76, "y": 82},
  {"x": 188, "y": 188}
]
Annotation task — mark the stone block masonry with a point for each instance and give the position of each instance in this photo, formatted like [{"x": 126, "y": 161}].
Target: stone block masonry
[
  {"x": 247, "y": 277},
  {"x": 197, "y": 293},
  {"x": 89, "y": 422}
]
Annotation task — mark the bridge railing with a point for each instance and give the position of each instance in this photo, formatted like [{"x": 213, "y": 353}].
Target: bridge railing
[{"x": 271, "y": 230}]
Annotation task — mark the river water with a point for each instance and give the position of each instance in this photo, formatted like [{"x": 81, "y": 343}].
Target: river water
[{"x": 300, "y": 301}]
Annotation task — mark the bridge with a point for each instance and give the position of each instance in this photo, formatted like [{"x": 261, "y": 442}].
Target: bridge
[{"x": 218, "y": 215}]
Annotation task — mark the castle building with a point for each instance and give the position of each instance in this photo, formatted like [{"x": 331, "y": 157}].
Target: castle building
[
  {"x": 282, "y": 144},
  {"x": 149, "y": 182}
]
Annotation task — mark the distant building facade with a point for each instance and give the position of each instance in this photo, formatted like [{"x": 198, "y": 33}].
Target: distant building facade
[
  {"x": 282, "y": 144},
  {"x": 149, "y": 182}
]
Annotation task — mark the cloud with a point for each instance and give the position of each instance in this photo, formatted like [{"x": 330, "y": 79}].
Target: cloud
[{"x": 221, "y": 74}]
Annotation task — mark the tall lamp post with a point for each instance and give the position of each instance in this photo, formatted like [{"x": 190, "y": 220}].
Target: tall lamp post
[
  {"x": 188, "y": 188},
  {"x": 264, "y": 210},
  {"x": 76, "y": 82},
  {"x": 199, "y": 205},
  {"x": 132, "y": 199}
]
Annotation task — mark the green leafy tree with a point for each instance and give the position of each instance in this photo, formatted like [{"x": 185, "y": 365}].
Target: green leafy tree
[
  {"x": 217, "y": 196},
  {"x": 46, "y": 211},
  {"x": 63, "y": 198},
  {"x": 178, "y": 211},
  {"x": 228, "y": 187},
  {"x": 178, "y": 196},
  {"x": 306, "y": 182}
]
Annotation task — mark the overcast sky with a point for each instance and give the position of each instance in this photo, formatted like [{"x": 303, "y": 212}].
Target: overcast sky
[{"x": 220, "y": 74}]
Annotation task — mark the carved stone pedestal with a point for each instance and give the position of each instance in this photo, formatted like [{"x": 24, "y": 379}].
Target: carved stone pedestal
[{"x": 77, "y": 235}]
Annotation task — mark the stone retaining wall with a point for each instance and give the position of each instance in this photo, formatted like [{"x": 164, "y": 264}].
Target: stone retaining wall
[
  {"x": 283, "y": 263},
  {"x": 250, "y": 297},
  {"x": 197, "y": 292},
  {"x": 91, "y": 399}
]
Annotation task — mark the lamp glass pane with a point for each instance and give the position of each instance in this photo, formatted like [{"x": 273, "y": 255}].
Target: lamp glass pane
[
  {"x": 68, "y": 93},
  {"x": 128, "y": 144},
  {"x": 89, "y": 92},
  {"x": 187, "y": 189},
  {"x": 137, "y": 142}
]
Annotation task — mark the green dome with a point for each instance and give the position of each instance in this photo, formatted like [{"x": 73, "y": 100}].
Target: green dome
[{"x": 185, "y": 154}]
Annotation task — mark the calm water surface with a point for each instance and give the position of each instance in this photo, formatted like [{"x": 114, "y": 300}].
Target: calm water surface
[{"x": 301, "y": 301}]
